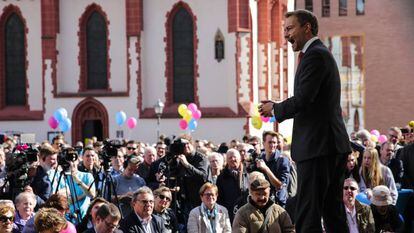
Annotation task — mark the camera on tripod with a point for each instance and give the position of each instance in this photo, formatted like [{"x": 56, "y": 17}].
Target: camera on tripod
[
  {"x": 65, "y": 156},
  {"x": 109, "y": 149},
  {"x": 18, "y": 163},
  {"x": 252, "y": 157}
]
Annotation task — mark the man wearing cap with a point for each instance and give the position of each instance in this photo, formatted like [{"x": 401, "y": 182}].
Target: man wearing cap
[
  {"x": 359, "y": 216},
  {"x": 385, "y": 214},
  {"x": 261, "y": 214}
]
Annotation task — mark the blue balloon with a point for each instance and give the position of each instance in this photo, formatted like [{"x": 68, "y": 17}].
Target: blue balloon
[
  {"x": 120, "y": 118},
  {"x": 272, "y": 119},
  {"x": 192, "y": 125},
  {"x": 65, "y": 125},
  {"x": 60, "y": 114}
]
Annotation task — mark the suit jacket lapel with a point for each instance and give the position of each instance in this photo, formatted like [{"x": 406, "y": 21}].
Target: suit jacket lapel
[{"x": 138, "y": 226}]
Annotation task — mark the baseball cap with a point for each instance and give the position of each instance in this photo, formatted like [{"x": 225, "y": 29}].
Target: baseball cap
[{"x": 259, "y": 183}]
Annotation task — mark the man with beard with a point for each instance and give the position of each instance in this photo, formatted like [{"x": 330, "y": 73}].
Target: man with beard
[{"x": 261, "y": 214}]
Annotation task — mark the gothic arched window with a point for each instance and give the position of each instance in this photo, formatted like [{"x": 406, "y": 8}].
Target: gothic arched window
[{"x": 14, "y": 61}]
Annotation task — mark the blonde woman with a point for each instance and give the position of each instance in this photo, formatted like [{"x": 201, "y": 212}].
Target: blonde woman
[{"x": 373, "y": 173}]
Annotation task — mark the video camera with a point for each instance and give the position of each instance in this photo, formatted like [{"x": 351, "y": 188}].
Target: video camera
[
  {"x": 109, "y": 149},
  {"x": 252, "y": 157},
  {"x": 18, "y": 163},
  {"x": 65, "y": 156}
]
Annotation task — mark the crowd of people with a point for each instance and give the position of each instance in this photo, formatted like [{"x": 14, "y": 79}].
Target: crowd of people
[{"x": 181, "y": 185}]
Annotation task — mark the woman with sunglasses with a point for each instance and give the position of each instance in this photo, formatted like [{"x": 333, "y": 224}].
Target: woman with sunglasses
[
  {"x": 161, "y": 208},
  {"x": 6, "y": 218}
]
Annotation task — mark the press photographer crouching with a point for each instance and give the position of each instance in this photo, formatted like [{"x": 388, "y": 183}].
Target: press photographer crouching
[{"x": 184, "y": 170}]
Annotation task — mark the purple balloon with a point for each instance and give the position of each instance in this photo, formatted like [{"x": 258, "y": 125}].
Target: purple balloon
[{"x": 53, "y": 123}]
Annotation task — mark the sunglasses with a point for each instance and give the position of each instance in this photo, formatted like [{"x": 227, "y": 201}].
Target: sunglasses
[
  {"x": 131, "y": 148},
  {"x": 4, "y": 219},
  {"x": 350, "y": 187},
  {"x": 162, "y": 197}
]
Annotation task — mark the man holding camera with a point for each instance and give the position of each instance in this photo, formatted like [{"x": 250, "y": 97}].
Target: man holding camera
[{"x": 41, "y": 183}]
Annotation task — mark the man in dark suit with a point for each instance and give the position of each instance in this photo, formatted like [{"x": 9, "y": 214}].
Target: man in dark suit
[
  {"x": 141, "y": 220},
  {"x": 107, "y": 219},
  {"x": 320, "y": 143}
]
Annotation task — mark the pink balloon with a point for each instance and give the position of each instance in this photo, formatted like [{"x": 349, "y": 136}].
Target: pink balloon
[
  {"x": 382, "y": 138},
  {"x": 375, "y": 132},
  {"x": 183, "y": 124},
  {"x": 53, "y": 123},
  {"x": 265, "y": 119},
  {"x": 197, "y": 114},
  {"x": 192, "y": 107},
  {"x": 131, "y": 122}
]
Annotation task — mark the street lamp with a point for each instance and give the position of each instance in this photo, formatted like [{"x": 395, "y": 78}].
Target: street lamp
[{"x": 158, "y": 107}]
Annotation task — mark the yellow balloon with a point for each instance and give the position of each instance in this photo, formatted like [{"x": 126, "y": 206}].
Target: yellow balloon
[
  {"x": 256, "y": 110},
  {"x": 411, "y": 124},
  {"x": 374, "y": 138},
  {"x": 182, "y": 109},
  {"x": 187, "y": 117},
  {"x": 257, "y": 122}
]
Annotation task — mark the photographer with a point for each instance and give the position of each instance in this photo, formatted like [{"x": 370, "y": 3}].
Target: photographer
[
  {"x": 90, "y": 165},
  {"x": 76, "y": 185},
  {"x": 41, "y": 183},
  {"x": 275, "y": 167}
]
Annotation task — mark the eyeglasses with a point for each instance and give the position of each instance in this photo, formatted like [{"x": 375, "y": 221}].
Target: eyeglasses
[
  {"x": 162, "y": 197},
  {"x": 146, "y": 202},
  {"x": 209, "y": 194},
  {"x": 131, "y": 148},
  {"x": 350, "y": 187},
  {"x": 110, "y": 225},
  {"x": 4, "y": 219}
]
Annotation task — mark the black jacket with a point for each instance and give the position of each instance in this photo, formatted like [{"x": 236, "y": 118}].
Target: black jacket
[
  {"x": 131, "y": 224},
  {"x": 318, "y": 128},
  {"x": 41, "y": 184}
]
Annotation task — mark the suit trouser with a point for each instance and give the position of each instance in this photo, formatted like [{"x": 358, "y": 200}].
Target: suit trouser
[{"x": 319, "y": 194}]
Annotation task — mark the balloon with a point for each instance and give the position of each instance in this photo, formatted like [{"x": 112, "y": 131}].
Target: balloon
[
  {"x": 197, "y": 114},
  {"x": 131, "y": 122},
  {"x": 53, "y": 123},
  {"x": 265, "y": 119},
  {"x": 192, "y": 107},
  {"x": 60, "y": 114},
  {"x": 375, "y": 132},
  {"x": 120, "y": 118},
  {"x": 182, "y": 109},
  {"x": 257, "y": 122},
  {"x": 65, "y": 124},
  {"x": 272, "y": 119},
  {"x": 382, "y": 138},
  {"x": 374, "y": 138},
  {"x": 183, "y": 124},
  {"x": 188, "y": 115},
  {"x": 411, "y": 124},
  {"x": 192, "y": 125}
]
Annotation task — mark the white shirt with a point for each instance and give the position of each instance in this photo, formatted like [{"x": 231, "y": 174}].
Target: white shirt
[
  {"x": 352, "y": 220},
  {"x": 146, "y": 224},
  {"x": 308, "y": 43}
]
